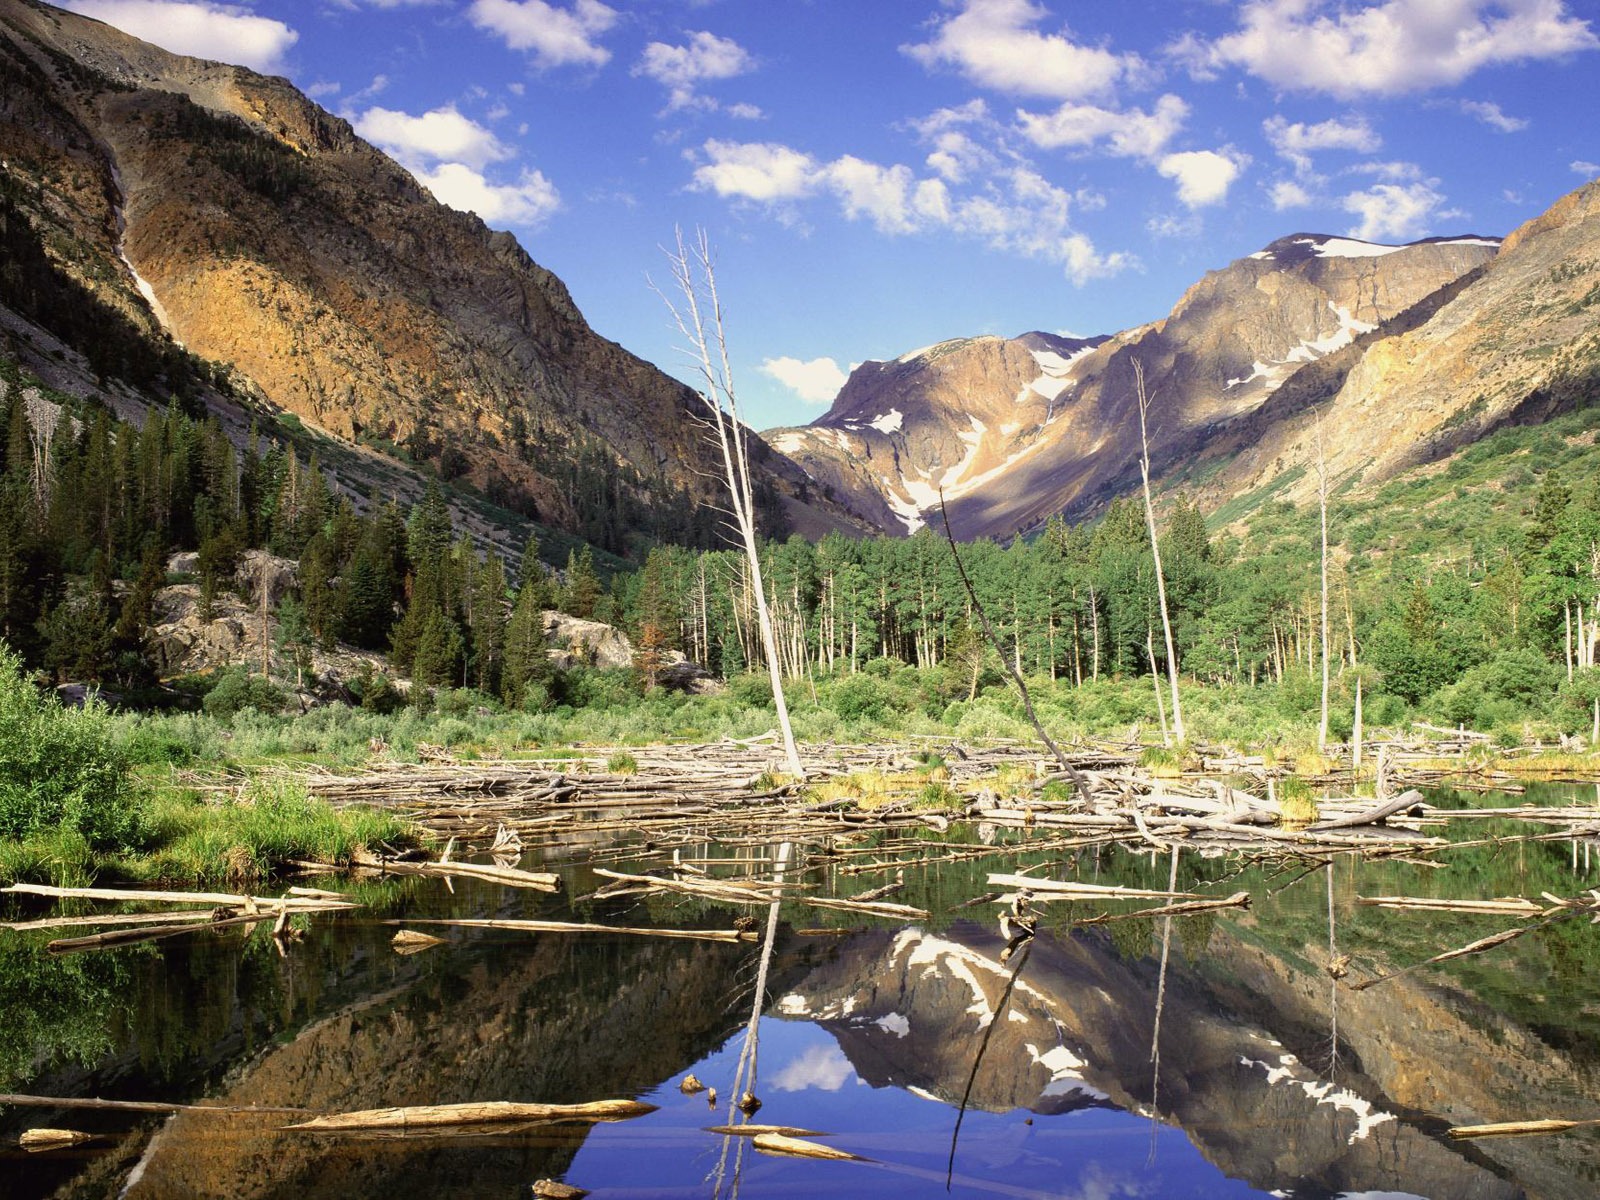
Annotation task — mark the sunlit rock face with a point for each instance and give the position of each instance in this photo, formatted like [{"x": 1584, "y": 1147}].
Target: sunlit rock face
[
  {"x": 225, "y": 209},
  {"x": 912, "y": 1010},
  {"x": 1011, "y": 430}
]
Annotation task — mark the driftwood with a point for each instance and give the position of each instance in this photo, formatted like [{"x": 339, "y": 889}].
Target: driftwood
[
  {"x": 777, "y": 1143},
  {"x": 36, "y": 1140},
  {"x": 701, "y": 935},
  {"x": 496, "y": 1112},
  {"x": 1517, "y": 1128}
]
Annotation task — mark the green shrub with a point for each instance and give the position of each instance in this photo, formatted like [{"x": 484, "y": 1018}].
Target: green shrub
[
  {"x": 236, "y": 690},
  {"x": 61, "y": 768},
  {"x": 859, "y": 697}
]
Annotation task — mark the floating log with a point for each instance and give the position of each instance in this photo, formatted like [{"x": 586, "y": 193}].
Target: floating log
[
  {"x": 494, "y": 1112},
  {"x": 758, "y": 1130},
  {"x": 793, "y": 1147},
  {"x": 37, "y": 1140},
  {"x": 1183, "y": 908},
  {"x": 541, "y": 881},
  {"x": 869, "y": 907},
  {"x": 701, "y": 935},
  {"x": 1519, "y": 1128},
  {"x": 410, "y": 941},
  {"x": 297, "y": 903},
  {"x": 128, "y": 937},
  {"x": 1051, "y": 889},
  {"x": 155, "y": 918},
  {"x": 1511, "y": 906}
]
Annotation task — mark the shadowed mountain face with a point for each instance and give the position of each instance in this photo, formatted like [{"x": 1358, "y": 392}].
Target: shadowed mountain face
[
  {"x": 224, "y": 209},
  {"x": 1240, "y": 1031},
  {"x": 1013, "y": 430}
]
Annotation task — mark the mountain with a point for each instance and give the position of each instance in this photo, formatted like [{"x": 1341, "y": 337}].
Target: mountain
[
  {"x": 1514, "y": 343},
  {"x": 184, "y": 203},
  {"x": 1015, "y": 430}
]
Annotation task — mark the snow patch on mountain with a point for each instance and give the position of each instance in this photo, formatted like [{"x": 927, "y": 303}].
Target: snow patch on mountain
[
  {"x": 1349, "y": 248},
  {"x": 1056, "y": 370},
  {"x": 1309, "y": 350},
  {"x": 890, "y": 422}
]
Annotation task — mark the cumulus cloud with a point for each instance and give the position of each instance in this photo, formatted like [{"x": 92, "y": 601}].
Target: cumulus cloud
[
  {"x": 1131, "y": 133},
  {"x": 224, "y": 32},
  {"x": 1394, "y": 212},
  {"x": 1491, "y": 116},
  {"x": 1013, "y": 208},
  {"x": 1203, "y": 176},
  {"x": 556, "y": 37},
  {"x": 448, "y": 153},
  {"x": 1296, "y": 142},
  {"x": 816, "y": 382},
  {"x": 822, "y": 1067},
  {"x": 994, "y": 43},
  {"x": 682, "y": 69},
  {"x": 442, "y": 135},
  {"x": 528, "y": 201},
  {"x": 1584, "y": 167},
  {"x": 1389, "y": 48},
  {"x": 1286, "y": 194}
]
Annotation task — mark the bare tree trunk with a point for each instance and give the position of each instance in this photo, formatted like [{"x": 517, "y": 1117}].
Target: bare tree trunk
[
  {"x": 694, "y": 274},
  {"x": 1356, "y": 731},
  {"x": 1155, "y": 550},
  {"x": 1155, "y": 678},
  {"x": 1322, "y": 505}
]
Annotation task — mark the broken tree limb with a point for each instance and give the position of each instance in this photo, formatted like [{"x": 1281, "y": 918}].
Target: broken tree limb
[
  {"x": 1477, "y": 947},
  {"x": 494, "y": 1112}
]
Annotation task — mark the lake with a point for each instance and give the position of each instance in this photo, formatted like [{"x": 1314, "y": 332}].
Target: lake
[{"x": 1209, "y": 1055}]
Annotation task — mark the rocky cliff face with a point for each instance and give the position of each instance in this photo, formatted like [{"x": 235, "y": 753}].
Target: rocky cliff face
[
  {"x": 225, "y": 209},
  {"x": 1516, "y": 342},
  {"x": 1015, "y": 430}
]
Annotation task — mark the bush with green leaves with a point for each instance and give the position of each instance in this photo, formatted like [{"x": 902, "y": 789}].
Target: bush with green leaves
[
  {"x": 237, "y": 689},
  {"x": 62, "y": 768}
]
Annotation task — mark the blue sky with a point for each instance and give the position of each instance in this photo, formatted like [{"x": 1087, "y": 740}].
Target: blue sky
[{"x": 878, "y": 175}]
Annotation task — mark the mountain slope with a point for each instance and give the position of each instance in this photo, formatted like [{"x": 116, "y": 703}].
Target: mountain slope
[
  {"x": 260, "y": 232},
  {"x": 1047, "y": 429}
]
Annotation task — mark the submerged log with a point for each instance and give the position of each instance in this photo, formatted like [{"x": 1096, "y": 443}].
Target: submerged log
[
  {"x": 36, "y": 1140},
  {"x": 1519, "y": 1128},
  {"x": 493, "y": 1112}
]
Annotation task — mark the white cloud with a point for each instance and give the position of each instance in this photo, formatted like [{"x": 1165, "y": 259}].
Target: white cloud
[
  {"x": 224, "y": 32},
  {"x": 816, "y": 382},
  {"x": 1583, "y": 167},
  {"x": 822, "y": 1067},
  {"x": 527, "y": 202},
  {"x": 442, "y": 135},
  {"x": 1296, "y": 141},
  {"x": 760, "y": 171},
  {"x": 1389, "y": 48},
  {"x": 1287, "y": 194},
  {"x": 1133, "y": 133},
  {"x": 557, "y": 37},
  {"x": 1013, "y": 209},
  {"x": 681, "y": 69},
  {"x": 1490, "y": 114},
  {"x": 993, "y": 43},
  {"x": 1203, "y": 176},
  {"x": 1393, "y": 212},
  {"x": 745, "y": 112}
]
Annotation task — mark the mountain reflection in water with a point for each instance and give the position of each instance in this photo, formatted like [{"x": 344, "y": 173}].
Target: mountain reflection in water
[{"x": 1272, "y": 1078}]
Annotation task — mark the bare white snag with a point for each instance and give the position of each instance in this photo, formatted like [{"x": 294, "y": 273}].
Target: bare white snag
[
  {"x": 1155, "y": 551},
  {"x": 698, "y": 315}
]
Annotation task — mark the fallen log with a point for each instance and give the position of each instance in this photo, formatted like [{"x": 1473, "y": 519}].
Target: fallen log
[
  {"x": 1370, "y": 816},
  {"x": 409, "y": 941},
  {"x": 297, "y": 903},
  {"x": 869, "y": 907},
  {"x": 701, "y": 935},
  {"x": 758, "y": 1130},
  {"x": 1237, "y": 900},
  {"x": 17, "y": 1100},
  {"x": 777, "y": 1143},
  {"x": 128, "y": 937},
  {"x": 1066, "y": 889},
  {"x": 494, "y": 1112},
  {"x": 543, "y": 881},
  {"x": 1511, "y": 906}
]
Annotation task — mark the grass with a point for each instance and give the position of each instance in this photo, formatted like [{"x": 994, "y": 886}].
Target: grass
[{"x": 1297, "y": 802}]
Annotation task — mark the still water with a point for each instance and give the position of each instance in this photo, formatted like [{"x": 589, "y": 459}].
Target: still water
[{"x": 1212, "y": 1055}]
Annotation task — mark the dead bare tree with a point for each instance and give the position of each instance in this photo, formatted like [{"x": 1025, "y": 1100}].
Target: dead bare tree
[
  {"x": 699, "y": 317},
  {"x": 1322, "y": 505},
  {"x": 1155, "y": 550}
]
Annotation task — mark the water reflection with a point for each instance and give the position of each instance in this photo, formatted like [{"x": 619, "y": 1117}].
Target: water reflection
[{"x": 1227, "y": 1037}]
